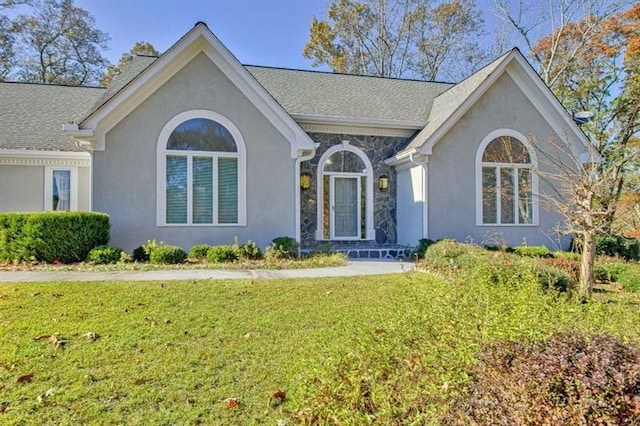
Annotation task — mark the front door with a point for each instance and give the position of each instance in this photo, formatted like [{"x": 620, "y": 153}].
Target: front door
[{"x": 345, "y": 207}]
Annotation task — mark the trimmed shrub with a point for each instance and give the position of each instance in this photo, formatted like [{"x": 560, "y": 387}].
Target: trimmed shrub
[
  {"x": 169, "y": 255},
  {"x": 220, "y": 254},
  {"x": 105, "y": 254},
  {"x": 567, "y": 379},
  {"x": 199, "y": 251},
  {"x": 421, "y": 250},
  {"x": 282, "y": 248},
  {"x": 140, "y": 255},
  {"x": 63, "y": 236},
  {"x": 249, "y": 250},
  {"x": 532, "y": 251}
]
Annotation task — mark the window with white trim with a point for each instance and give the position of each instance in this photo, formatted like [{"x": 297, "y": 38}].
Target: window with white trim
[
  {"x": 507, "y": 181},
  {"x": 61, "y": 188},
  {"x": 202, "y": 169}
]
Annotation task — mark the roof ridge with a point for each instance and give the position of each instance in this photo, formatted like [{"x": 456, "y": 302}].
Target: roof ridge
[
  {"x": 39, "y": 83},
  {"x": 347, "y": 74}
]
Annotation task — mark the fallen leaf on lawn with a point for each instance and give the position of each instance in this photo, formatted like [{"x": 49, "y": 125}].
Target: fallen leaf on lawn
[
  {"x": 277, "y": 397},
  {"x": 3, "y": 408},
  {"x": 26, "y": 378},
  {"x": 92, "y": 336},
  {"x": 232, "y": 402},
  {"x": 141, "y": 382}
]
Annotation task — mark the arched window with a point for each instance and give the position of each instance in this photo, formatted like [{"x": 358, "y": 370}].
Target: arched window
[
  {"x": 345, "y": 189},
  {"x": 506, "y": 182},
  {"x": 201, "y": 171}
]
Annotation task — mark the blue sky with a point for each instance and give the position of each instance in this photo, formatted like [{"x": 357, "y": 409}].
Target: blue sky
[{"x": 258, "y": 32}]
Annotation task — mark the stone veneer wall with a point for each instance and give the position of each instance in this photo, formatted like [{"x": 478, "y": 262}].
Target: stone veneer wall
[{"x": 378, "y": 149}]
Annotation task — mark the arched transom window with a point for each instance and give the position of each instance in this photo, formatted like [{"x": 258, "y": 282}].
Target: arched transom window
[
  {"x": 201, "y": 170},
  {"x": 346, "y": 193},
  {"x": 507, "y": 183}
]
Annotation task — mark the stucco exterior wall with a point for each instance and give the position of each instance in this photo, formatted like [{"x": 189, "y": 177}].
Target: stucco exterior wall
[
  {"x": 452, "y": 168},
  {"x": 84, "y": 189},
  {"x": 21, "y": 188},
  {"x": 411, "y": 205},
  {"x": 125, "y": 173}
]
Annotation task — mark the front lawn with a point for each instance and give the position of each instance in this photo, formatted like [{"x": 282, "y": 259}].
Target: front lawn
[{"x": 395, "y": 348}]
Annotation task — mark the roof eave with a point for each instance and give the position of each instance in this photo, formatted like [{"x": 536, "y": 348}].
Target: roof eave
[{"x": 359, "y": 122}]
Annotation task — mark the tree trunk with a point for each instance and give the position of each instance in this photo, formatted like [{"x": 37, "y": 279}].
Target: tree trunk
[{"x": 586, "y": 266}]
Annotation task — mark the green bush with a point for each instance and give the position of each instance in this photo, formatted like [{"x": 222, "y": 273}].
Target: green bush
[
  {"x": 169, "y": 255},
  {"x": 532, "y": 251},
  {"x": 249, "y": 250},
  {"x": 451, "y": 254},
  {"x": 105, "y": 254},
  {"x": 493, "y": 267},
  {"x": 282, "y": 248},
  {"x": 220, "y": 254},
  {"x": 421, "y": 250},
  {"x": 568, "y": 379},
  {"x": 618, "y": 246},
  {"x": 625, "y": 274},
  {"x": 569, "y": 255},
  {"x": 140, "y": 255},
  {"x": 63, "y": 236},
  {"x": 552, "y": 277},
  {"x": 199, "y": 251}
]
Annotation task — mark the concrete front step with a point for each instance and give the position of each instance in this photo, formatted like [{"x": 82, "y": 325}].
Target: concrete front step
[{"x": 370, "y": 252}]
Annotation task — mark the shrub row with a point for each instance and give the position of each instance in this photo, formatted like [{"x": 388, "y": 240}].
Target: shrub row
[
  {"x": 65, "y": 237},
  {"x": 492, "y": 267}
]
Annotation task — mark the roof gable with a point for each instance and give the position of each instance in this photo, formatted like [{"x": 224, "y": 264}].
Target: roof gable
[
  {"x": 198, "y": 40},
  {"x": 450, "y": 106}
]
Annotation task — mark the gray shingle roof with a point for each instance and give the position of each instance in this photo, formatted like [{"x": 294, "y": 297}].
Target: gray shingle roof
[
  {"x": 445, "y": 105},
  {"x": 341, "y": 95},
  {"x": 32, "y": 115},
  {"x": 133, "y": 69}
]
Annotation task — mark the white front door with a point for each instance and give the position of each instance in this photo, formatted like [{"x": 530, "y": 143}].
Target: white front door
[{"x": 345, "y": 207}]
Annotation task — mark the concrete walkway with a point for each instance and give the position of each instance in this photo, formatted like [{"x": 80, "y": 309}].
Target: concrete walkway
[{"x": 353, "y": 268}]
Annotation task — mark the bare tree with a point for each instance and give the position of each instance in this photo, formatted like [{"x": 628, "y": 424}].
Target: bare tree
[
  {"x": 534, "y": 20},
  {"x": 579, "y": 187},
  {"x": 426, "y": 39}
]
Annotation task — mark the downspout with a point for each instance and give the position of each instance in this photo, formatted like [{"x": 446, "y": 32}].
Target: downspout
[{"x": 301, "y": 157}]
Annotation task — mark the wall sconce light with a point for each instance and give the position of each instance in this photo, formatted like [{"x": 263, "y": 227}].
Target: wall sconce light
[
  {"x": 383, "y": 183},
  {"x": 305, "y": 181}
]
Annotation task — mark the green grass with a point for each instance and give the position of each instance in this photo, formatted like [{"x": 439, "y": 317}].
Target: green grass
[
  {"x": 313, "y": 261},
  {"x": 394, "y": 349}
]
